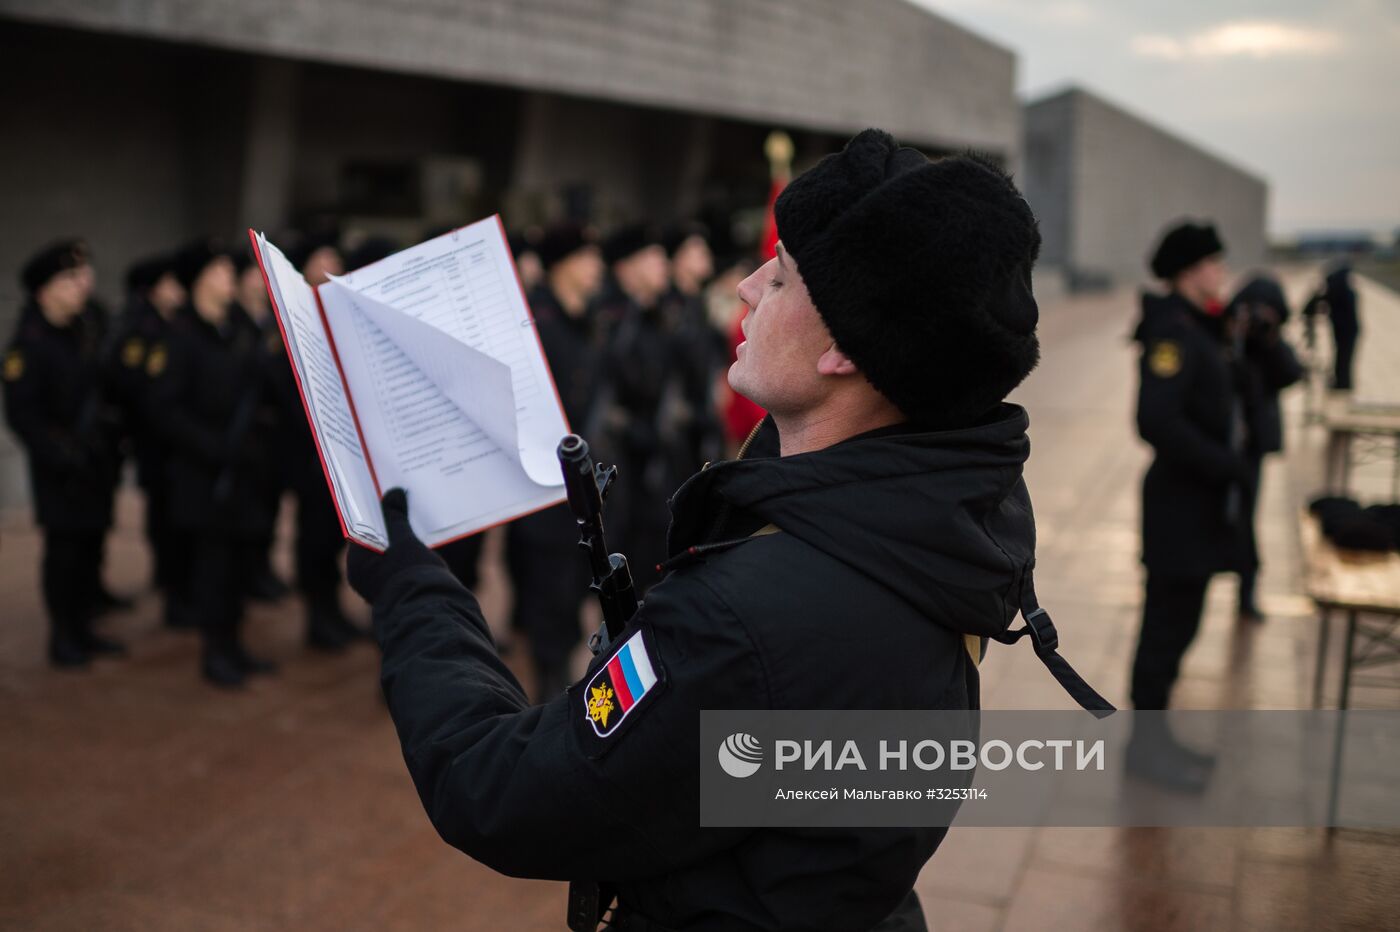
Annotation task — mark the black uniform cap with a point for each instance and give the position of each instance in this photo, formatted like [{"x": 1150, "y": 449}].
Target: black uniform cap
[
  {"x": 922, "y": 272},
  {"x": 195, "y": 257},
  {"x": 308, "y": 245},
  {"x": 50, "y": 261},
  {"x": 142, "y": 276},
  {"x": 563, "y": 240},
  {"x": 677, "y": 234},
  {"x": 1183, "y": 246},
  {"x": 627, "y": 241}
]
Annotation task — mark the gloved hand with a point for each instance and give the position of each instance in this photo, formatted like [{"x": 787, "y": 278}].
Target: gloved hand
[{"x": 369, "y": 571}]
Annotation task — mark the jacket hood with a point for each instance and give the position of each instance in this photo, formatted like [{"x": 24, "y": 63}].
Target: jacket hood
[{"x": 940, "y": 518}]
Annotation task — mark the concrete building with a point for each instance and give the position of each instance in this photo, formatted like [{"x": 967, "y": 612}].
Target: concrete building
[
  {"x": 143, "y": 123},
  {"x": 1105, "y": 184}
]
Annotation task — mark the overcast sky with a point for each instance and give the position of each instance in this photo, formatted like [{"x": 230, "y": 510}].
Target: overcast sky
[{"x": 1304, "y": 93}]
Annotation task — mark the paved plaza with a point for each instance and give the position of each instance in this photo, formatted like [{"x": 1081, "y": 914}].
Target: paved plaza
[{"x": 134, "y": 796}]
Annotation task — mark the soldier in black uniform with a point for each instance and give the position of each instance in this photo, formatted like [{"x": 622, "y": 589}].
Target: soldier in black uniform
[
  {"x": 638, "y": 369},
  {"x": 692, "y": 432},
  {"x": 1191, "y": 410},
  {"x": 876, "y": 520},
  {"x": 55, "y": 405},
  {"x": 1340, "y": 299},
  {"x": 206, "y": 398},
  {"x": 542, "y": 555},
  {"x": 154, "y": 295}
]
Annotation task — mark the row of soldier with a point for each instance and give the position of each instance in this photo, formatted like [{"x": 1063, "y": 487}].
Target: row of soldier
[{"x": 192, "y": 383}]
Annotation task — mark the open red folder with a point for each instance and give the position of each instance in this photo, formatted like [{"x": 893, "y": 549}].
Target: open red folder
[{"x": 424, "y": 370}]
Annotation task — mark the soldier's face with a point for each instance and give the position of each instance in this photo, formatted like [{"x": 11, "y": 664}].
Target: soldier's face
[
  {"x": 693, "y": 261},
  {"x": 63, "y": 297},
  {"x": 218, "y": 282},
  {"x": 582, "y": 270},
  {"x": 784, "y": 340},
  {"x": 168, "y": 294},
  {"x": 321, "y": 265},
  {"x": 1205, "y": 280}
]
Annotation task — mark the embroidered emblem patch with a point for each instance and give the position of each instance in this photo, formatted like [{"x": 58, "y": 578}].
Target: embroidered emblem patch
[
  {"x": 155, "y": 361},
  {"x": 619, "y": 686},
  {"x": 1164, "y": 359},
  {"x": 133, "y": 352},
  {"x": 14, "y": 365}
]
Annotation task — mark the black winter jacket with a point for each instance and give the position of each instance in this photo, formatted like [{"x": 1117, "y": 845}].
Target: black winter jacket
[
  {"x": 1188, "y": 398},
  {"x": 55, "y": 404},
  {"x": 891, "y": 548}
]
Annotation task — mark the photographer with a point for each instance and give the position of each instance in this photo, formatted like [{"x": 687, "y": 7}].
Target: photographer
[{"x": 1268, "y": 365}]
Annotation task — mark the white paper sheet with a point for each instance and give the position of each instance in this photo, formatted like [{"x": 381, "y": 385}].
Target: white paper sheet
[
  {"x": 309, "y": 350},
  {"x": 464, "y": 284},
  {"x": 452, "y": 391}
]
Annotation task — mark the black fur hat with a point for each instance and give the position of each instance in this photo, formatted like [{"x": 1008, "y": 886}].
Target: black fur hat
[
  {"x": 563, "y": 240},
  {"x": 1183, "y": 246},
  {"x": 309, "y": 245},
  {"x": 627, "y": 241},
  {"x": 195, "y": 257},
  {"x": 142, "y": 276},
  {"x": 48, "y": 262},
  {"x": 922, "y": 272}
]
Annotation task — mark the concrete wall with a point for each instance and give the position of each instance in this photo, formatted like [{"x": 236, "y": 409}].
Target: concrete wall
[
  {"x": 1046, "y": 174},
  {"x": 1127, "y": 181},
  {"x": 819, "y": 64}
]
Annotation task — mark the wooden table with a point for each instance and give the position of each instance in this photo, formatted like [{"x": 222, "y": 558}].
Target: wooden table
[
  {"x": 1345, "y": 420},
  {"x": 1365, "y": 587}
]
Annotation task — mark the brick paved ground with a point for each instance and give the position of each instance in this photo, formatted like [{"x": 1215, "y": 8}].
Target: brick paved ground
[{"x": 135, "y": 797}]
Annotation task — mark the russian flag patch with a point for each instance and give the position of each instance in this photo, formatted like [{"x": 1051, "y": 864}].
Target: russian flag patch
[{"x": 619, "y": 685}]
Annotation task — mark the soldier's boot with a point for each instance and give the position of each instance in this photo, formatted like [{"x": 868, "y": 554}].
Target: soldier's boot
[
  {"x": 221, "y": 667},
  {"x": 100, "y": 646},
  {"x": 326, "y": 628},
  {"x": 266, "y": 586},
  {"x": 251, "y": 663},
  {"x": 66, "y": 649},
  {"x": 1156, "y": 756},
  {"x": 95, "y": 644},
  {"x": 329, "y": 603}
]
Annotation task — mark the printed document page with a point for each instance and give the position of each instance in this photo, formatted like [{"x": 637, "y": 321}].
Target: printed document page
[
  {"x": 452, "y": 391},
  {"x": 331, "y": 417}
]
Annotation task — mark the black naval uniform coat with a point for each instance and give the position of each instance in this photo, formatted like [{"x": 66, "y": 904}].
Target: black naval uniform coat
[
  {"x": 202, "y": 377},
  {"x": 1188, "y": 398},
  {"x": 55, "y": 405},
  {"x": 888, "y": 546}
]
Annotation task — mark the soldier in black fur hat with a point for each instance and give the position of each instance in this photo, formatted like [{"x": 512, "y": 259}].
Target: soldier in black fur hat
[
  {"x": 55, "y": 404},
  {"x": 1191, "y": 409},
  {"x": 637, "y": 369},
  {"x": 208, "y": 397},
  {"x": 154, "y": 295},
  {"x": 874, "y": 532}
]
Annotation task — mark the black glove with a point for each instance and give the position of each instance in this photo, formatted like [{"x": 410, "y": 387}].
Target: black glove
[{"x": 368, "y": 571}]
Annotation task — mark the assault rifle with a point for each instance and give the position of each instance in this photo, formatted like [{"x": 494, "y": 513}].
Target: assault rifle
[{"x": 587, "y": 485}]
